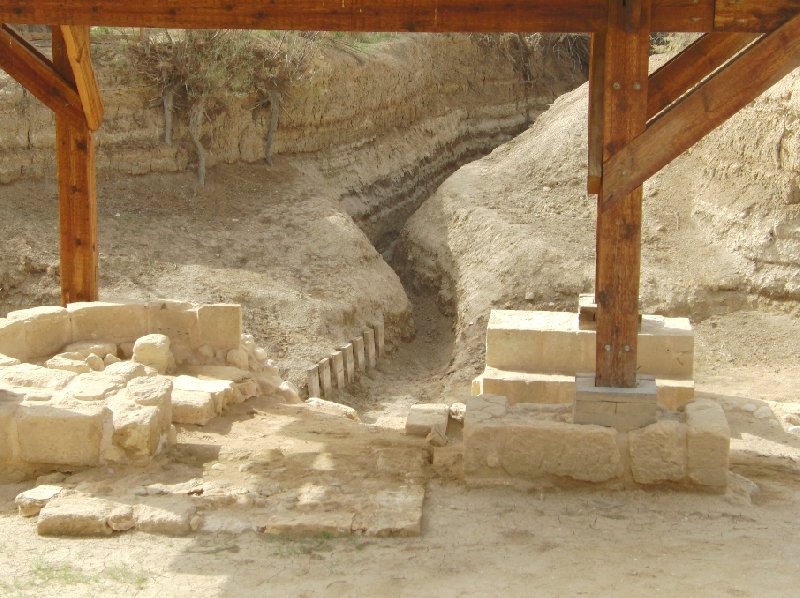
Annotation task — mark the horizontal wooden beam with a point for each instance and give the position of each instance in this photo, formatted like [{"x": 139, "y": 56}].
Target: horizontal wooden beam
[
  {"x": 396, "y": 15},
  {"x": 77, "y": 42},
  {"x": 691, "y": 66},
  {"x": 702, "y": 110},
  {"x": 36, "y": 74}
]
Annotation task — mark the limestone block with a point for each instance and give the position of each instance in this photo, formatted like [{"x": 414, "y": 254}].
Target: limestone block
[
  {"x": 621, "y": 408},
  {"x": 423, "y": 417},
  {"x": 71, "y": 433},
  {"x": 6, "y": 361},
  {"x": 708, "y": 443},
  {"x": 222, "y": 391},
  {"x": 245, "y": 384},
  {"x": 658, "y": 452},
  {"x": 47, "y": 329},
  {"x": 126, "y": 369},
  {"x": 69, "y": 362},
  {"x": 524, "y": 387},
  {"x": 369, "y": 348},
  {"x": 312, "y": 381},
  {"x": 94, "y": 386},
  {"x": 137, "y": 429},
  {"x": 331, "y": 408},
  {"x": 175, "y": 319},
  {"x": 220, "y": 325},
  {"x": 378, "y": 328},
  {"x": 75, "y": 515},
  {"x": 112, "y": 322},
  {"x": 170, "y": 517},
  {"x": 26, "y": 375},
  {"x": 349, "y": 362},
  {"x": 8, "y": 428},
  {"x": 539, "y": 448},
  {"x": 193, "y": 407},
  {"x": 674, "y": 394},
  {"x": 337, "y": 370},
  {"x": 666, "y": 347},
  {"x": 269, "y": 383},
  {"x": 110, "y": 359},
  {"x": 288, "y": 392},
  {"x": 359, "y": 357},
  {"x": 13, "y": 341},
  {"x": 30, "y": 502},
  {"x": 325, "y": 377},
  {"x": 86, "y": 348},
  {"x": 153, "y": 391},
  {"x": 154, "y": 350},
  {"x": 238, "y": 359},
  {"x": 121, "y": 518}
]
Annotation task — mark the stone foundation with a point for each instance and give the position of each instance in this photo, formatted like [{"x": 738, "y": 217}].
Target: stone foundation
[
  {"x": 534, "y": 356},
  {"x": 506, "y": 443},
  {"x": 77, "y": 402}
]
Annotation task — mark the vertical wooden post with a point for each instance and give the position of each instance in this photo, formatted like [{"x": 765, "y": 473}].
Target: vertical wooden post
[
  {"x": 619, "y": 226},
  {"x": 77, "y": 194}
]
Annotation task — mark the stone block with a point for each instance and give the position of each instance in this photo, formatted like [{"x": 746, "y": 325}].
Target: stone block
[
  {"x": 359, "y": 357},
  {"x": 73, "y": 433},
  {"x": 68, "y": 362},
  {"x": 674, "y": 394},
  {"x": 658, "y": 452},
  {"x": 222, "y": 391},
  {"x": 75, "y": 515},
  {"x": 177, "y": 320},
  {"x": 245, "y": 383},
  {"x": 30, "y": 502},
  {"x": 349, "y": 362},
  {"x": 26, "y": 375},
  {"x": 621, "y": 408},
  {"x": 13, "y": 341},
  {"x": 378, "y": 328},
  {"x": 113, "y": 322},
  {"x": 170, "y": 517},
  {"x": 524, "y": 387},
  {"x": 369, "y": 348},
  {"x": 193, "y": 407},
  {"x": 153, "y": 391},
  {"x": 6, "y": 361},
  {"x": 220, "y": 325},
  {"x": 47, "y": 329},
  {"x": 337, "y": 370},
  {"x": 94, "y": 386},
  {"x": 238, "y": 359},
  {"x": 126, "y": 369},
  {"x": 154, "y": 350},
  {"x": 502, "y": 441},
  {"x": 86, "y": 348},
  {"x": 137, "y": 429},
  {"x": 325, "y": 377},
  {"x": 8, "y": 430},
  {"x": 708, "y": 443},
  {"x": 312, "y": 378},
  {"x": 331, "y": 408},
  {"x": 423, "y": 417}
]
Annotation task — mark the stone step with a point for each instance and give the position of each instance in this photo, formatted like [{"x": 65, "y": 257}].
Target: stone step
[
  {"x": 529, "y": 387},
  {"x": 554, "y": 343}
]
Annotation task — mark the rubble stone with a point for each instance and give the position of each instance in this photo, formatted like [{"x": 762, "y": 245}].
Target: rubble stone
[
  {"x": 331, "y": 408},
  {"x": 658, "y": 452},
  {"x": 26, "y": 375},
  {"x": 238, "y": 358},
  {"x": 75, "y": 515},
  {"x": 708, "y": 443},
  {"x": 30, "y": 502},
  {"x": 423, "y": 417},
  {"x": 154, "y": 350}
]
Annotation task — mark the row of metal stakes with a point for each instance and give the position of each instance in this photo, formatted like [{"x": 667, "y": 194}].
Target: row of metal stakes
[{"x": 345, "y": 365}]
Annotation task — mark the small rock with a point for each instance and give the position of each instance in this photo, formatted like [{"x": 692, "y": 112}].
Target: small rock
[
  {"x": 154, "y": 350},
  {"x": 95, "y": 362},
  {"x": 763, "y": 412},
  {"x": 121, "y": 518},
  {"x": 248, "y": 342},
  {"x": 288, "y": 392},
  {"x": 458, "y": 411},
  {"x": 793, "y": 430},
  {"x": 218, "y": 467},
  {"x": 331, "y": 408},
  {"x": 206, "y": 351},
  {"x": 238, "y": 358},
  {"x": 749, "y": 407},
  {"x": 261, "y": 354},
  {"x": 30, "y": 502},
  {"x": 169, "y": 518},
  {"x": 424, "y": 416},
  {"x": 110, "y": 359}
]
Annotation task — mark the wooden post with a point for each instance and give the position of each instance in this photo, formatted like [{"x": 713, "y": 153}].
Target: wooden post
[
  {"x": 77, "y": 194},
  {"x": 619, "y": 226}
]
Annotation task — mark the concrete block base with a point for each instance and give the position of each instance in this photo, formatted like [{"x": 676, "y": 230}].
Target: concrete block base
[
  {"x": 622, "y": 408},
  {"x": 532, "y": 443}
]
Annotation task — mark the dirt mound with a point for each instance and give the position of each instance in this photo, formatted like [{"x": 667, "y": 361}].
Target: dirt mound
[{"x": 516, "y": 229}]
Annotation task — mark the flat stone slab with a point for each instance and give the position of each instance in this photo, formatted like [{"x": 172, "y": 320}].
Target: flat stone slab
[
  {"x": 75, "y": 516},
  {"x": 193, "y": 407},
  {"x": 423, "y": 417},
  {"x": 30, "y": 502}
]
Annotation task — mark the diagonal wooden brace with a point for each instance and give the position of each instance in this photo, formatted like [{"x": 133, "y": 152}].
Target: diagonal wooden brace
[{"x": 76, "y": 39}]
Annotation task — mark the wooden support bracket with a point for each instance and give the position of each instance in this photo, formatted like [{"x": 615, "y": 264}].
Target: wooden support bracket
[
  {"x": 702, "y": 110},
  {"x": 36, "y": 74},
  {"x": 77, "y": 41}
]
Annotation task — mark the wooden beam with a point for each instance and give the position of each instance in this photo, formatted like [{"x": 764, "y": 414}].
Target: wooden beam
[
  {"x": 619, "y": 229},
  {"x": 691, "y": 66},
  {"x": 77, "y": 196},
  {"x": 36, "y": 74},
  {"x": 753, "y": 15},
  {"x": 597, "y": 65},
  {"x": 361, "y": 15},
  {"x": 77, "y": 41},
  {"x": 339, "y": 15},
  {"x": 702, "y": 110}
]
